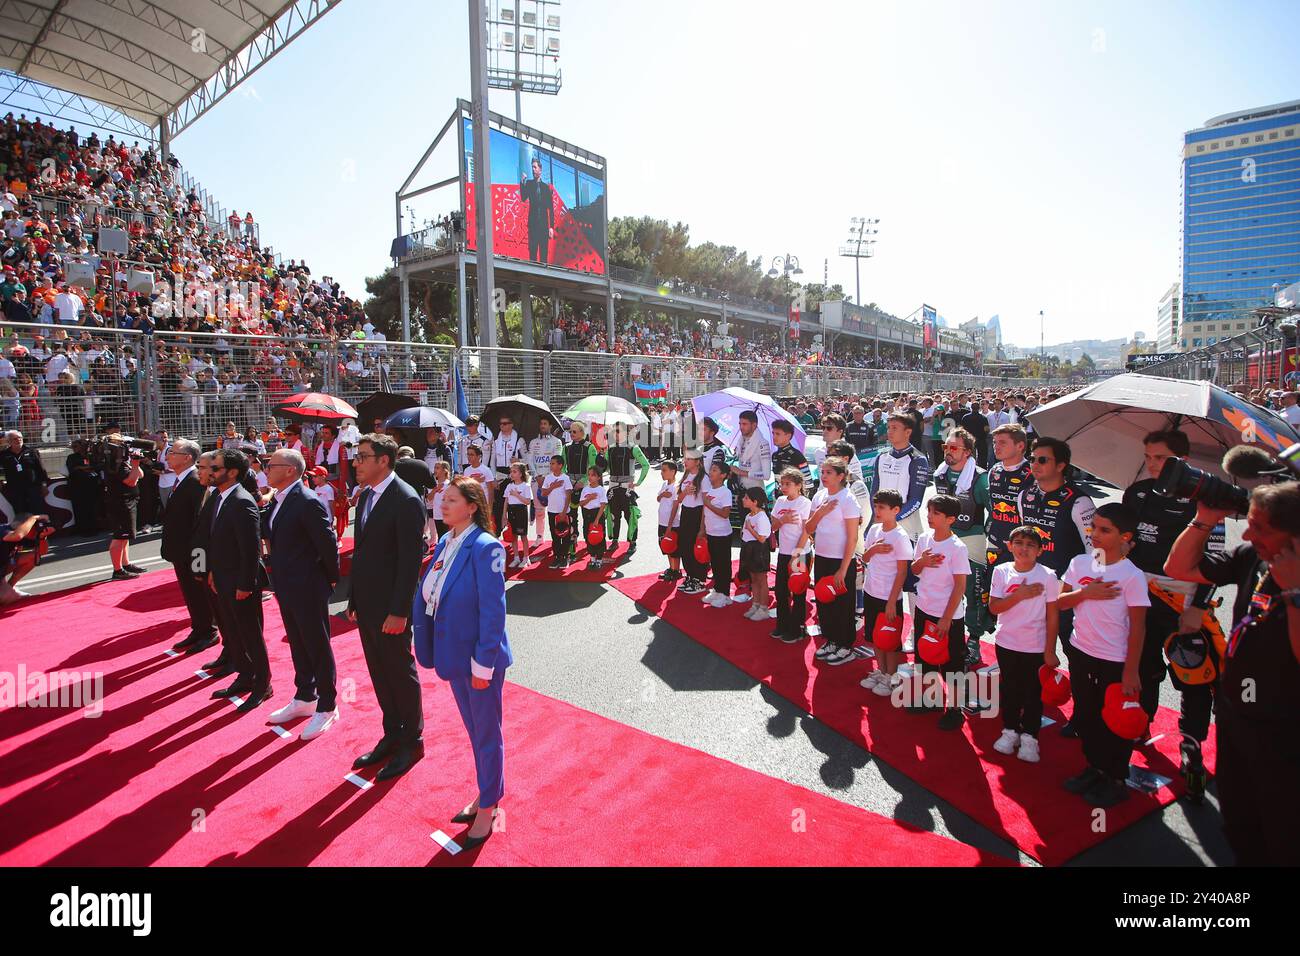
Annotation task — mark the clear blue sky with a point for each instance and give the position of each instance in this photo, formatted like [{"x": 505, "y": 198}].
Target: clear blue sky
[{"x": 1020, "y": 156}]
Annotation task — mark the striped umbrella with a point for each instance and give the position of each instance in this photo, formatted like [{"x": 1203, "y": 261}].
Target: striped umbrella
[
  {"x": 316, "y": 407},
  {"x": 606, "y": 410}
]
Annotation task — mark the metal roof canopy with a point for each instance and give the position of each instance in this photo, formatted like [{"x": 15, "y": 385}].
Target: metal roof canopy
[{"x": 160, "y": 64}]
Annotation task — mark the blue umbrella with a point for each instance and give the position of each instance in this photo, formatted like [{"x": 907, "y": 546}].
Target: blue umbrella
[{"x": 421, "y": 417}]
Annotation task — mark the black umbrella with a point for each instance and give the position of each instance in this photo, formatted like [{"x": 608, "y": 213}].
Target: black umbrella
[
  {"x": 380, "y": 405},
  {"x": 524, "y": 411}
]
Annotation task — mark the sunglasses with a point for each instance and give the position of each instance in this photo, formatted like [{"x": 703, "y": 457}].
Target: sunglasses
[{"x": 1044, "y": 460}]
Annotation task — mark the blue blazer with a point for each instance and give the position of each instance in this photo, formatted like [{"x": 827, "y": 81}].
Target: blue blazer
[{"x": 471, "y": 619}]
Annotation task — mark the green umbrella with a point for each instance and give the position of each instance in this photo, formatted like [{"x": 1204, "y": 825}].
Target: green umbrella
[{"x": 606, "y": 410}]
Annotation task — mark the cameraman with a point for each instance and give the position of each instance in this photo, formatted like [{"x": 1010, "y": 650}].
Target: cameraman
[
  {"x": 1161, "y": 519},
  {"x": 17, "y": 560},
  {"x": 1258, "y": 698},
  {"x": 122, "y": 474}
]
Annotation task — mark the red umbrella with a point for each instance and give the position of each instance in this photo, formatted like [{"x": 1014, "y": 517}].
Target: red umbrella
[{"x": 313, "y": 406}]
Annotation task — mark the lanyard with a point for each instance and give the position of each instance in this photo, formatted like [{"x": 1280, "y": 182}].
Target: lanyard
[{"x": 1261, "y": 606}]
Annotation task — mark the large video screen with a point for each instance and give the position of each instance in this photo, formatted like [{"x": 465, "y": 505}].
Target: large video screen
[{"x": 546, "y": 208}]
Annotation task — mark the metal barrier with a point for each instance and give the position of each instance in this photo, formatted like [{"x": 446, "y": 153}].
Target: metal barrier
[
  {"x": 198, "y": 384},
  {"x": 1248, "y": 359}
]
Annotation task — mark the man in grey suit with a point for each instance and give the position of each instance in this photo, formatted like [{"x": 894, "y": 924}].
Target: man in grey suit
[{"x": 385, "y": 572}]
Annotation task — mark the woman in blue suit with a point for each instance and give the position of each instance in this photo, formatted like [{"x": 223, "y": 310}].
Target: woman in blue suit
[{"x": 459, "y": 622}]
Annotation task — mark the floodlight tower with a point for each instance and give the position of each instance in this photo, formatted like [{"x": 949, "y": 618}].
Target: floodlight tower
[
  {"x": 859, "y": 246},
  {"x": 524, "y": 48}
]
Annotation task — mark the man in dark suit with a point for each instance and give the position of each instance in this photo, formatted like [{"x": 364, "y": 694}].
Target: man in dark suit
[
  {"x": 541, "y": 213},
  {"x": 385, "y": 572},
  {"x": 198, "y": 549},
  {"x": 236, "y": 575},
  {"x": 303, "y": 556},
  {"x": 179, "y": 518}
]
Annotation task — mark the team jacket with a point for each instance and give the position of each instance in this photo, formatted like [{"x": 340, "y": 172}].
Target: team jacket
[
  {"x": 1161, "y": 519},
  {"x": 755, "y": 457},
  {"x": 1005, "y": 485},
  {"x": 505, "y": 451},
  {"x": 578, "y": 457},
  {"x": 624, "y": 461},
  {"x": 540, "y": 452},
  {"x": 790, "y": 457},
  {"x": 1061, "y": 518},
  {"x": 970, "y": 522},
  {"x": 907, "y": 472}
]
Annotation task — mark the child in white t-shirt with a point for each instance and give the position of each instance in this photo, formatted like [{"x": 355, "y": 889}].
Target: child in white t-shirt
[
  {"x": 519, "y": 494},
  {"x": 1110, "y": 598},
  {"x": 324, "y": 491},
  {"x": 789, "y": 514},
  {"x": 670, "y": 518},
  {"x": 434, "y": 526},
  {"x": 755, "y": 551},
  {"x": 942, "y": 565},
  {"x": 593, "y": 497},
  {"x": 556, "y": 488},
  {"x": 1023, "y": 594},
  {"x": 716, "y": 529},
  {"x": 483, "y": 476},
  {"x": 887, "y": 553}
]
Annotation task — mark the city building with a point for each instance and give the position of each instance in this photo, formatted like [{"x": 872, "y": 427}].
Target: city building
[
  {"x": 1240, "y": 219},
  {"x": 1167, "y": 335}
]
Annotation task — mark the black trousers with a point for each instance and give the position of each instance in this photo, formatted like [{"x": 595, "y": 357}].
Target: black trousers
[
  {"x": 396, "y": 682},
  {"x": 558, "y": 548},
  {"x": 720, "y": 561},
  {"x": 202, "y": 619},
  {"x": 1258, "y": 773},
  {"x": 307, "y": 624},
  {"x": 538, "y": 244},
  {"x": 214, "y": 612},
  {"x": 836, "y": 617},
  {"x": 1194, "y": 713},
  {"x": 1021, "y": 690},
  {"x": 1162, "y": 620},
  {"x": 621, "y": 501},
  {"x": 589, "y": 521},
  {"x": 499, "y": 501},
  {"x": 1089, "y": 678},
  {"x": 791, "y": 609},
  {"x": 687, "y": 532},
  {"x": 247, "y": 643}
]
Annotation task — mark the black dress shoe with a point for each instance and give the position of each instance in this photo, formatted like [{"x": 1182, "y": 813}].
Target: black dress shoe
[
  {"x": 255, "y": 700},
  {"x": 464, "y": 817},
  {"x": 186, "y": 644},
  {"x": 237, "y": 689},
  {"x": 382, "y": 751},
  {"x": 219, "y": 663},
  {"x": 202, "y": 644},
  {"x": 402, "y": 761},
  {"x": 1067, "y": 729},
  {"x": 468, "y": 842},
  {"x": 135, "y": 569}
]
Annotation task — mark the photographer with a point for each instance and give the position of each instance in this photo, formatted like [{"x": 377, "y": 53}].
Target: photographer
[
  {"x": 122, "y": 475},
  {"x": 25, "y": 480},
  {"x": 1258, "y": 698},
  {"x": 1177, "y": 607},
  {"x": 20, "y": 550}
]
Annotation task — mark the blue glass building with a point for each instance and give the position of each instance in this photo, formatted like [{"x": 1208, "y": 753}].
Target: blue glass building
[{"x": 1241, "y": 219}]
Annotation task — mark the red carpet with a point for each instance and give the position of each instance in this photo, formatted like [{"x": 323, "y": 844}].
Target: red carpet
[
  {"x": 1021, "y": 801},
  {"x": 577, "y": 571},
  {"x": 166, "y": 776}
]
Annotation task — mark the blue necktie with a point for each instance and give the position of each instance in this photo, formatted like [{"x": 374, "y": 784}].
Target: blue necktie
[{"x": 365, "y": 510}]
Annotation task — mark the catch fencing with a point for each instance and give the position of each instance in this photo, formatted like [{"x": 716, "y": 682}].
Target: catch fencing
[{"x": 199, "y": 385}]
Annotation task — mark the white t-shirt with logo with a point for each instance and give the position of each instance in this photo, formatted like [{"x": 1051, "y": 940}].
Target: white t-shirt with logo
[
  {"x": 519, "y": 493},
  {"x": 666, "y": 504},
  {"x": 882, "y": 569},
  {"x": 694, "y": 483},
  {"x": 934, "y": 585},
  {"x": 716, "y": 524},
  {"x": 1101, "y": 627},
  {"x": 756, "y": 528},
  {"x": 593, "y": 497},
  {"x": 480, "y": 474},
  {"x": 831, "y": 535},
  {"x": 557, "y": 502},
  {"x": 788, "y": 535},
  {"x": 1024, "y": 626},
  {"x": 325, "y": 493}
]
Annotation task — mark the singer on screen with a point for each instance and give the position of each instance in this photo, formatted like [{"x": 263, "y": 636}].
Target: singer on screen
[{"x": 541, "y": 213}]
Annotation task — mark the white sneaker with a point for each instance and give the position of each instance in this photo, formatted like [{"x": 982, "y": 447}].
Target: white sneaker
[
  {"x": 824, "y": 651},
  {"x": 756, "y": 614},
  {"x": 720, "y": 600},
  {"x": 871, "y": 680},
  {"x": 885, "y": 687},
  {"x": 742, "y": 597},
  {"x": 292, "y": 711},
  {"x": 840, "y": 656},
  {"x": 1007, "y": 743},
  {"x": 319, "y": 723},
  {"x": 1028, "y": 749}
]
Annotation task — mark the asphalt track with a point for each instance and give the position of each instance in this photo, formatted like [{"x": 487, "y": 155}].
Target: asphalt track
[{"x": 594, "y": 648}]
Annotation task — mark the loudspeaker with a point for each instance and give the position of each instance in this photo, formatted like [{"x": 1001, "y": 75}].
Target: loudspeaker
[
  {"x": 140, "y": 282},
  {"x": 80, "y": 274},
  {"x": 113, "y": 241}
]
